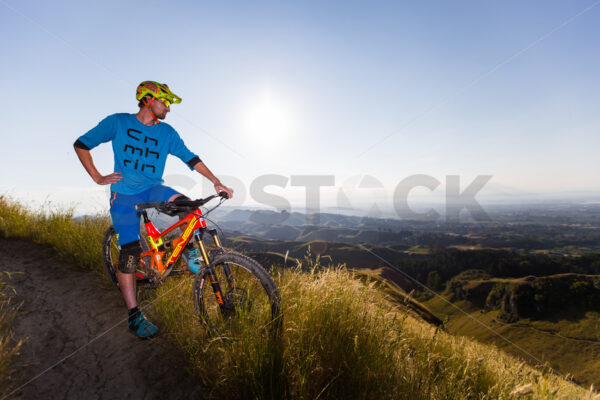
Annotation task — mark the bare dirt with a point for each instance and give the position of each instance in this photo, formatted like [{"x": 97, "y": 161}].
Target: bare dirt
[{"x": 64, "y": 309}]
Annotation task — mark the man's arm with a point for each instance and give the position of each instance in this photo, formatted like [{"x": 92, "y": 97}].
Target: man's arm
[
  {"x": 88, "y": 163},
  {"x": 219, "y": 187}
]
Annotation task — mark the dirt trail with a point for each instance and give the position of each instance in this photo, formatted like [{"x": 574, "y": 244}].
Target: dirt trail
[{"x": 63, "y": 309}]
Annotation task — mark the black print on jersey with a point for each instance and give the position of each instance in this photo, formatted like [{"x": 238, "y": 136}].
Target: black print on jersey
[
  {"x": 151, "y": 152},
  {"x": 141, "y": 151},
  {"x": 133, "y": 149},
  {"x": 131, "y": 135}
]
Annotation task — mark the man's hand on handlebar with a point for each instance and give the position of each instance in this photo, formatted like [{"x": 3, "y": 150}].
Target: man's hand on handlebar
[{"x": 219, "y": 187}]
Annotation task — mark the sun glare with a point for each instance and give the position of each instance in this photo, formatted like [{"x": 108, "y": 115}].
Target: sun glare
[{"x": 267, "y": 122}]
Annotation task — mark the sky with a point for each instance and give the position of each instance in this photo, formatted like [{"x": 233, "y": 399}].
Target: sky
[{"x": 349, "y": 89}]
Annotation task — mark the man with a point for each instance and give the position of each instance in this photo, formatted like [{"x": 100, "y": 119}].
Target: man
[{"x": 141, "y": 145}]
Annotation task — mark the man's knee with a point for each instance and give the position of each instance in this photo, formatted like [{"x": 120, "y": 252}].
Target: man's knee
[{"x": 129, "y": 257}]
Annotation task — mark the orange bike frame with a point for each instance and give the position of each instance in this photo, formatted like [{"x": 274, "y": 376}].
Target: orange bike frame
[{"x": 192, "y": 221}]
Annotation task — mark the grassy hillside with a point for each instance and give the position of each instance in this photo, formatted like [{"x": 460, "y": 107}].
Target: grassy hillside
[
  {"x": 554, "y": 318},
  {"x": 343, "y": 336}
]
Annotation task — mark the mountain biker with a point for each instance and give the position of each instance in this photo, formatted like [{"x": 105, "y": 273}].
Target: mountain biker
[{"x": 141, "y": 144}]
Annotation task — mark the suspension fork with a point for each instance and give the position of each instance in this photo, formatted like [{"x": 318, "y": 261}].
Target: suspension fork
[
  {"x": 226, "y": 268},
  {"x": 214, "y": 282}
]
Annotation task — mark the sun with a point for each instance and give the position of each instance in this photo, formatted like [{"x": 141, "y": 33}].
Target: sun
[{"x": 267, "y": 121}]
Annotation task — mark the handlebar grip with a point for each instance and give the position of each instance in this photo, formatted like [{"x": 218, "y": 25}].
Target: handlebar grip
[{"x": 143, "y": 206}]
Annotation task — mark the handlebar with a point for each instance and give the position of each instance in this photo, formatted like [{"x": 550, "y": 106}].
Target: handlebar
[{"x": 173, "y": 206}]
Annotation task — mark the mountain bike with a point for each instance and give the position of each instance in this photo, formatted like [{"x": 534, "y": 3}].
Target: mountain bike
[{"x": 227, "y": 285}]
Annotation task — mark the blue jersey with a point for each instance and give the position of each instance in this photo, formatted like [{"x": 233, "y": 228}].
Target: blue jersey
[{"x": 140, "y": 150}]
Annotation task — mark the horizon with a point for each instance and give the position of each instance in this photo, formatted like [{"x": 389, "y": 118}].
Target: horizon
[{"x": 86, "y": 201}]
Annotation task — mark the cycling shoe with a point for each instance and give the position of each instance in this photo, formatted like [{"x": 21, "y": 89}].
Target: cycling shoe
[{"x": 142, "y": 328}]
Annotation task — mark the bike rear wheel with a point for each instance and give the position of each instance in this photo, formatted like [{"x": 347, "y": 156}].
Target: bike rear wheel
[{"x": 250, "y": 300}]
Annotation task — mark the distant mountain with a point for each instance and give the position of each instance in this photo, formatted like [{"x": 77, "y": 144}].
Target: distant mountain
[{"x": 559, "y": 228}]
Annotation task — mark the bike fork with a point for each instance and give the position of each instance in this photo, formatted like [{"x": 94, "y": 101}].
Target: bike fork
[
  {"x": 212, "y": 276},
  {"x": 226, "y": 268},
  {"x": 214, "y": 282}
]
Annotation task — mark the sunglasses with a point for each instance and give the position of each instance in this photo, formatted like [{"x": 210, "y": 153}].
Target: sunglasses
[{"x": 166, "y": 102}]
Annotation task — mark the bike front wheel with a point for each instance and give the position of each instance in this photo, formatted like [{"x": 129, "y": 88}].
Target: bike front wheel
[{"x": 235, "y": 291}]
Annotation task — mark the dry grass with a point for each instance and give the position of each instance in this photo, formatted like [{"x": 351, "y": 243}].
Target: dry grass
[
  {"x": 344, "y": 339},
  {"x": 78, "y": 242}
]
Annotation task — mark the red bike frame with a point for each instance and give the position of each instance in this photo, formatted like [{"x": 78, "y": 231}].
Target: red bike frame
[{"x": 158, "y": 246}]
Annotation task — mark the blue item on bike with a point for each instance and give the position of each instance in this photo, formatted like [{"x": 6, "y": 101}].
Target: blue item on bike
[{"x": 193, "y": 259}]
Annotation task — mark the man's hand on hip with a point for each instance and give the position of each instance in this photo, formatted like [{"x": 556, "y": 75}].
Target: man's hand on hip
[{"x": 108, "y": 179}]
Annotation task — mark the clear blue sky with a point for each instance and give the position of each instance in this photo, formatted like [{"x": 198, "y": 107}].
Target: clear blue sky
[{"x": 439, "y": 88}]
